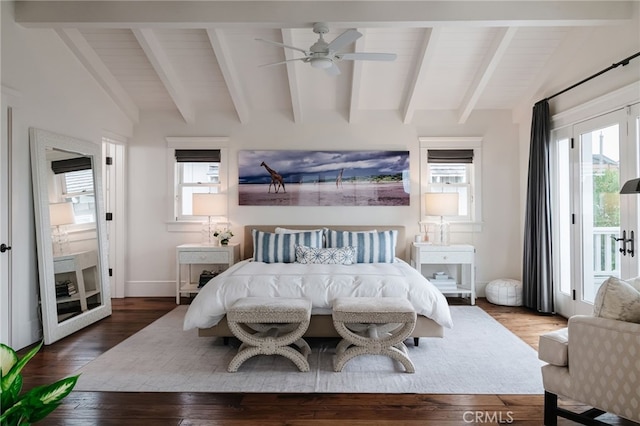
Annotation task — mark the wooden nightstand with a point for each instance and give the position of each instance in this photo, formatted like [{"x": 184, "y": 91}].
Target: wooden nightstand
[
  {"x": 202, "y": 254},
  {"x": 437, "y": 257}
]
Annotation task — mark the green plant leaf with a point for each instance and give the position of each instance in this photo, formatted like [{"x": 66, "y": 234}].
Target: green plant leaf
[
  {"x": 8, "y": 358},
  {"x": 50, "y": 394},
  {"x": 39, "y": 414},
  {"x": 10, "y": 396},
  {"x": 7, "y": 380},
  {"x": 40, "y": 401}
]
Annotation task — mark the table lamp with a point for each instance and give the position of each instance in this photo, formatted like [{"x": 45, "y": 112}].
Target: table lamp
[
  {"x": 441, "y": 204},
  {"x": 210, "y": 205},
  {"x": 61, "y": 214}
]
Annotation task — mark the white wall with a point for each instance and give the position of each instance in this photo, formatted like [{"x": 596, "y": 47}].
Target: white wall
[
  {"x": 49, "y": 90},
  {"x": 151, "y": 247}
]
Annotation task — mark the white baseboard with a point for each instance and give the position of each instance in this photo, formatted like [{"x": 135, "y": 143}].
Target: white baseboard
[{"x": 150, "y": 289}]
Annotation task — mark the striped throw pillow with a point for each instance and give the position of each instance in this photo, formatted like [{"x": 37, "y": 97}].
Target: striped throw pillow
[
  {"x": 371, "y": 247},
  {"x": 281, "y": 248}
]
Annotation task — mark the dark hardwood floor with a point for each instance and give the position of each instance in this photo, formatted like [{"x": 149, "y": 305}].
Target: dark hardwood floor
[{"x": 132, "y": 314}]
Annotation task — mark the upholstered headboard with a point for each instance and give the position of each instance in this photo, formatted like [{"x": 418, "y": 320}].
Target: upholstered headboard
[{"x": 401, "y": 246}]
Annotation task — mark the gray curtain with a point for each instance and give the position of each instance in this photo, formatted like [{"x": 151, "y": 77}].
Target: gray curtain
[{"x": 537, "y": 273}]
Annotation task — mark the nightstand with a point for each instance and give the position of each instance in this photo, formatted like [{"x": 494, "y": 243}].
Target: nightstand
[
  {"x": 82, "y": 270},
  {"x": 435, "y": 258},
  {"x": 202, "y": 254}
]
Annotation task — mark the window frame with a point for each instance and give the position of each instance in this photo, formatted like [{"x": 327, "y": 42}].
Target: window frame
[
  {"x": 175, "y": 221},
  {"x": 474, "y": 196}
]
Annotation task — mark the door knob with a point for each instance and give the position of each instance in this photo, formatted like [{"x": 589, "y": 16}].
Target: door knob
[{"x": 4, "y": 247}]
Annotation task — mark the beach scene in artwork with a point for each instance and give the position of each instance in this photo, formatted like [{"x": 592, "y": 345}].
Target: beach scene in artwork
[{"x": 323, "y": 178}]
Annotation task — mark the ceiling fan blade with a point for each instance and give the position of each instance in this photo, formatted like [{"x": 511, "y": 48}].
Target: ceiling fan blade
[
  {"x": 344, "y": 39},
  {"x": 282, "y": 62},
  {"x": 275, "y": 43},
  {"x": 367, "y": 56},
  {"x": 333, "y": 70}
]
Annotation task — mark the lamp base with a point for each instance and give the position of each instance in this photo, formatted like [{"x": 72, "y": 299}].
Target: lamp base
[
  {"x": 60, "y": 241},
  {"x": 441, "y": 233},
  {"x": 208, "y": 229}
]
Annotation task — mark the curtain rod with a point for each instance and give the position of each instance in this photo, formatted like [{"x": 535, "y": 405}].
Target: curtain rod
[{"x": 623, "y": 62}]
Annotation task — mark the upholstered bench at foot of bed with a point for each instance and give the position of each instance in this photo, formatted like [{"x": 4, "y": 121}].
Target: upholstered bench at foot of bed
[
  {"x": 269, "y": 326},
  {"x": 373, "y": 326}
]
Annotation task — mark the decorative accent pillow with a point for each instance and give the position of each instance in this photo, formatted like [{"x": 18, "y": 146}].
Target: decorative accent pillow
[
  {"x": 371, "y": 247},
  {"x": 337, "y": 256},
  {"x": 619, "y": 300},
  {"x": 281, "y": 248}
]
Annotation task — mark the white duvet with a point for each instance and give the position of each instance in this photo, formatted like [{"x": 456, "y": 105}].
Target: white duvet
[{"x": 320, "y": 283}]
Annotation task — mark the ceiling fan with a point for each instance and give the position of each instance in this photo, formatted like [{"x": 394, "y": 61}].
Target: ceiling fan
[{"x": 325, "y": 55}]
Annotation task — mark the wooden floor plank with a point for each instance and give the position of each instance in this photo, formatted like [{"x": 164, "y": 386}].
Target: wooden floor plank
[{"x": 234, "y": 409}]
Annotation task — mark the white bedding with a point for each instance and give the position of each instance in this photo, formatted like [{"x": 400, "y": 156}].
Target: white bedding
[{"x": 318, "y": 282}]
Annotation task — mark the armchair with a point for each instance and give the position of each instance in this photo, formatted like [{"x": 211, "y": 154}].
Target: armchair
[{"x": 594, "y": 361}]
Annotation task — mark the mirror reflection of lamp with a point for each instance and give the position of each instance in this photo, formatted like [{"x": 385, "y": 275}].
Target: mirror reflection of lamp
[
  {"x": 441, "y": 204},
  {"x": 210, "y": 205},
  {"x": 61, "y": 214}
]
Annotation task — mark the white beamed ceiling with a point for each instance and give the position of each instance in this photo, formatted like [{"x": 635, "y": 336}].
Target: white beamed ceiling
[{"x": 202, "y": 56}]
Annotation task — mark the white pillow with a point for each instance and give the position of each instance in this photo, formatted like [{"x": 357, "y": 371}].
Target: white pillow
[
  {"x": 619, "y": 300},
  {"x": 327, "y": 256}
]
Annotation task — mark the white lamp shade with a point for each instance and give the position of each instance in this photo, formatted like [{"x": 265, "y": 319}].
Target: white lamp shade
[
  {"x": 209, "y": 204},
  {"x": 61, "y": 214},
  {"x": 441, "y": 203}
]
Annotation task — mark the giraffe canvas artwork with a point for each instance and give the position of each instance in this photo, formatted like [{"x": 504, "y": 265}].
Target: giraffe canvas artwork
[{"x": 323, "y": 178}]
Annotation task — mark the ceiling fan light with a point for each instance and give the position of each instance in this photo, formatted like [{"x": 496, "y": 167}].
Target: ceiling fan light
[{"x": 322, "y": 63}]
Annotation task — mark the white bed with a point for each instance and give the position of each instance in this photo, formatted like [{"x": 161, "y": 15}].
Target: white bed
[{"x": 321, "y": 283}]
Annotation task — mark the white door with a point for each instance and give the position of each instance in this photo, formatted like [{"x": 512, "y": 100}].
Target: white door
[
  {"x": 5, "y": 209},
  {"x": 595, "y": 227},
  {"x": 114, "y": 202}
]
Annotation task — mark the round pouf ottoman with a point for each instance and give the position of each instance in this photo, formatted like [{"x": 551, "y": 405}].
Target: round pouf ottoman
[{"x": 505, "y": 292}]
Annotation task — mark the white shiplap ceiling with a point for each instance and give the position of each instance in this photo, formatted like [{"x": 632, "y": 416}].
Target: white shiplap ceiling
[{"x": 202, "y": 56}]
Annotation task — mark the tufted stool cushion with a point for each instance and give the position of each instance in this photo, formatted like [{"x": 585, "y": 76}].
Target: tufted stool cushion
[{"x": 505, "y": 292}]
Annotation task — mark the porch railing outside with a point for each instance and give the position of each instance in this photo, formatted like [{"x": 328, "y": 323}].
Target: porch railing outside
[{"x": 606, "y": 257}]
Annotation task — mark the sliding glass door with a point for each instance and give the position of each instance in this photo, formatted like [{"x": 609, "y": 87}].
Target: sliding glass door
[{"x": 595, "y": 227}]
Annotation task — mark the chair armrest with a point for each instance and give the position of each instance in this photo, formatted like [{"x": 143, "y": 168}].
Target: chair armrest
[{"x": 553, "y": 347}]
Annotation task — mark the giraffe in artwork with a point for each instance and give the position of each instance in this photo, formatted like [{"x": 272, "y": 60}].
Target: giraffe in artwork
[
  {"x": 339, "y": 179},
  {"x": 276, "y": 179}
]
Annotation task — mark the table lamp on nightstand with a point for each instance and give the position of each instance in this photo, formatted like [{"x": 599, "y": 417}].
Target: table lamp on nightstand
[
  {"x": 210, "y": 205},
  {"x": 60, "y": 214},
  {"x": 441, "y": 204}
]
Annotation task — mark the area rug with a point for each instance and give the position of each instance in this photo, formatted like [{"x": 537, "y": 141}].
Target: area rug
[{"x": 477, "y": 356}]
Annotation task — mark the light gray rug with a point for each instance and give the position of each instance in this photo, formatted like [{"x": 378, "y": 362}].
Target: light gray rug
[{"x": 477, "y": 356}]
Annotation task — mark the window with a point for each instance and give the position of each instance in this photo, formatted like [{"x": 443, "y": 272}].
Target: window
[
  {"x": 198, "y": 167},
  {"x": 198, "y": 171},
  {"x": 453, "y": 165},
  {"x": 75, "y": 183}
]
